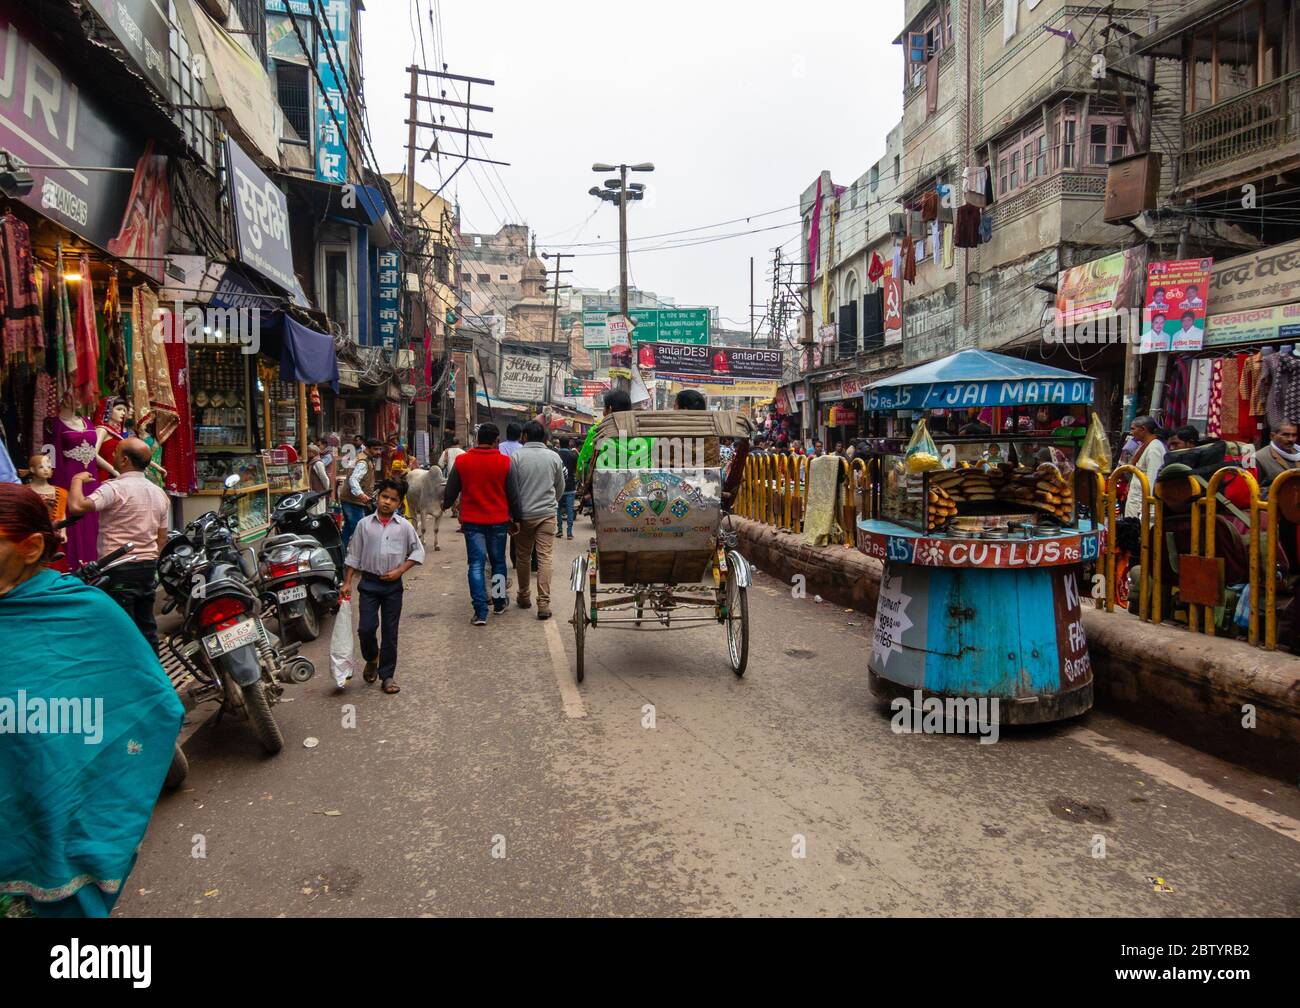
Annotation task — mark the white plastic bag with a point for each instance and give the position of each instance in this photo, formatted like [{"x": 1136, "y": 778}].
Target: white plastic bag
[{"x": 342, "y": 641}]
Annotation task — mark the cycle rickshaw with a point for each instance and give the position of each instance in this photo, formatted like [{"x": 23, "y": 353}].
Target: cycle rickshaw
[{"x": 660, "y": 558}]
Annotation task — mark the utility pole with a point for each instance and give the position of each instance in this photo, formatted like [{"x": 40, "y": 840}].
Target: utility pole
[
  {"x": 559, "y": 257},
  {"x": 751, "y": 302},
  {"x": 439, "y": 126}
]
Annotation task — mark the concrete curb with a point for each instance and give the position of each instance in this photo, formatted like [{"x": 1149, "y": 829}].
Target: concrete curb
[{"x": 1188, "y": 686}]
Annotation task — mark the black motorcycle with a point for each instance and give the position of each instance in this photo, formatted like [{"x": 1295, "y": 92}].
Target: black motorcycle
[
  {"x": 301, "y": 566},
  {"x": 223, "y": 642},
  {"x": 96, "y": 574}
]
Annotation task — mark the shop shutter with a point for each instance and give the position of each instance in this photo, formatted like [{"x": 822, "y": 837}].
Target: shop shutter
[
  {"x": 873, "y": 320},
  {"x": 848, "y": 345}
]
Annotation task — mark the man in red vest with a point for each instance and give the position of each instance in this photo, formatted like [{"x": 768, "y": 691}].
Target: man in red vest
[{"x": 479, "y": 479}]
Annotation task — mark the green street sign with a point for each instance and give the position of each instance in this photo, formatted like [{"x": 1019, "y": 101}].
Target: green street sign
[
  {"x": 652, "y": 325},
  {"x": 684, "y": 325}
]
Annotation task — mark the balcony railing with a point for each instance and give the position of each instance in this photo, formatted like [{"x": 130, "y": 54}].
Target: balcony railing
[{"x": 1256, "y": 123}]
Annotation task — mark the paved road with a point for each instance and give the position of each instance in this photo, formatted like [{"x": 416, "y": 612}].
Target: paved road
[{"x": 484, "y": 753}]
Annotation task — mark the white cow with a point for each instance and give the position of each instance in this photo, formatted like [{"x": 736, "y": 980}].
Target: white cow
[{"x": 424, "y": 497}]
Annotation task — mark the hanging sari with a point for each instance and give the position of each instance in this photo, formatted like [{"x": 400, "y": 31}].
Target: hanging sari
[
  {"x": 22, "y": 338},
  {"x": 77, "y": 801},
  {"x": 86, "y": 341},
  {"x": 151, "y": 383}
]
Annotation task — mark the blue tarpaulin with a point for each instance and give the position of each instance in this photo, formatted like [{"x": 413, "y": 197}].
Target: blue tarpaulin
[
  {"x": 306, "y": 355},
  {"x": 978, "y": 378}
]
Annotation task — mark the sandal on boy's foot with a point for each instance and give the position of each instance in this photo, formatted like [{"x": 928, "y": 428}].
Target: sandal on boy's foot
[
  {"x": 523, "y": 604},
  {"x": 391, "y": 687},
  {"x": 543, "y": 614},
  {"x": 371, "y": 672}
]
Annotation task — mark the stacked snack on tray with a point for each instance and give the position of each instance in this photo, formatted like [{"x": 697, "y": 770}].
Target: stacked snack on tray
[
  {"x": 1044, "y": 488},
  {"x": 942, "y": 508}
]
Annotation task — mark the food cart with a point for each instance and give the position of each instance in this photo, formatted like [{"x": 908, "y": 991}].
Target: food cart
[{"x": 983, "y": 545}]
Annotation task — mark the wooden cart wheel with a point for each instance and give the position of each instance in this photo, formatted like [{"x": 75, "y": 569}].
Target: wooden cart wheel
[
  {"x": 737, "y": 625},
  {"x": 579, "y": 630}
]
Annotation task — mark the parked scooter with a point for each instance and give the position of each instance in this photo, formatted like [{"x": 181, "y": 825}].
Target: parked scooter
[
  {"x": 301, "y": 566},
  {"x": 96, "y": 574},
  {"x": 222, "y": 641}
]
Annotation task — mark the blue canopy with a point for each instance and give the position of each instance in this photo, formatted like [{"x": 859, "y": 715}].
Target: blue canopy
[{"x": 978, "y": 378}]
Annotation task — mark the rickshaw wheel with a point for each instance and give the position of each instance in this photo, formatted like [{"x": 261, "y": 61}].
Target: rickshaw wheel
[
  {"x": 579, "y": 630},
  {"x": 737, "y": 625}
]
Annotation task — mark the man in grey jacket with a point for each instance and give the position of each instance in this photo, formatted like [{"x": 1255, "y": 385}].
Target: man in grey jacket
[{"x": 534, "y": 487}]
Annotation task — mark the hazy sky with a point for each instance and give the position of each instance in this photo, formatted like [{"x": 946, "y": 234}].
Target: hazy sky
[{"x": 738, "y": 104}]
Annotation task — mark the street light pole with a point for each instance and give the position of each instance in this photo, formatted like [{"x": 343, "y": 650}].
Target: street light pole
[
  {"x": 625, "y": 192},
  {"x": 622, "y": 241}
]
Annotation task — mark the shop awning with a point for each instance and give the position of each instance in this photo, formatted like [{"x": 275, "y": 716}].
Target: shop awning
[
  {"x": 305, "y": 355},
  {"x": 978, "y": 378},
  {"x": 500, "y": 404}
]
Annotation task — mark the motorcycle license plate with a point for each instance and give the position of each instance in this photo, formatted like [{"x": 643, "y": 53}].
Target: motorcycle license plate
[
  {"x": 231, "y": 638},
  {"x": 292, "y": 594}
]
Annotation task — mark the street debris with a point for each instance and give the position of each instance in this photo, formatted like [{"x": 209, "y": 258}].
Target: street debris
[{"x": 1158, "y": 884}]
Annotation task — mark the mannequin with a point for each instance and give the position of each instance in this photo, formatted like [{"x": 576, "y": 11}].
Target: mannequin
[
  {"x": 113, "y": 412},
  {"x": 156, "y": 474},
  {"x": 74, "y": 442},
  {"x": 39, "y": 471}
]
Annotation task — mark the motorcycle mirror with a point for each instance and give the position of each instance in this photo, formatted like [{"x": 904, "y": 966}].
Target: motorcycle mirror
[{"x": 232, "y": 481}]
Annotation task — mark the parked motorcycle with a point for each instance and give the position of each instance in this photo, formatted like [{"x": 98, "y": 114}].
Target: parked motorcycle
[
  {"x": 96, "y": 574},
  {"x": 222, "y": 641},
  {"x": 301, "y": 566}
]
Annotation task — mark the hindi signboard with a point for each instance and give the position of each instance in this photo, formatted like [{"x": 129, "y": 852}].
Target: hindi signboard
[
  {"x": 522, "y": 378},
  {"x": 1173, "y": 310},
  {"x": 683, "y": 325},
  {"x": 388, "y": 294},
  {"x": 261, "y": 218},
  {"x": 142, "y": 29},
  {"x": 1255, "y": 280}
]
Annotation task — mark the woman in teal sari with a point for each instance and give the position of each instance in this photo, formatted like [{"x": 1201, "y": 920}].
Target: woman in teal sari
[{"x": 88, "y": 722}]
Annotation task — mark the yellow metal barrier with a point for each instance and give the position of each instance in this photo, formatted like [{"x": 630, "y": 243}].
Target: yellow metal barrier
[
  {"x": 1112, "y": 548},
  {"x": 1269, "y": 560},
  {"x": 1209, "y": 508}
]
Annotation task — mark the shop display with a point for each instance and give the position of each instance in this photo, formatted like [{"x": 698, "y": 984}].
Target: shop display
[
  {"x": 211, "y": 471},
  {"x": 219, "y": 389}
]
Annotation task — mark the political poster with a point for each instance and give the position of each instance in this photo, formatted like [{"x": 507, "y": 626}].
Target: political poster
[{"x": 1173, "y": 310}]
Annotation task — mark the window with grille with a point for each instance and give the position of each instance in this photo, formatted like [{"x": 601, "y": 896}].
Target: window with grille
[
  {"x": 252, "y": 14},
  {"x": 293, "y": 90},
  {"x": 187, "y": 95}
]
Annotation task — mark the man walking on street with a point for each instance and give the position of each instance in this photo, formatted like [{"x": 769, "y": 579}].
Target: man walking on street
[
  {"x": 536, "y": 484},
  {"x": 479, "y": 479},
  {"x": 511, "y": 444},
  {"x": 384, "y": 546},
  {"x": 131, "y": 510},
  {"x": 358, "y": 490},
  {"x": 570, "y": 459}
]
